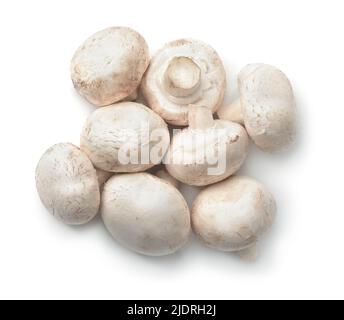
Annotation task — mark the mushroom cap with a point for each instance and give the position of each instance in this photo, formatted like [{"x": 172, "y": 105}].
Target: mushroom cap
[
  {"x": 232, "y": 214},
  {"x": 67, "y": 184},
  {"x": 268, "y": 106},
  {"x": 108, "y": 66},
  {"x": 209, "y": 93},
  {"x": 110, "y": 131},
  {"x": 145, "y": 213},
  {"x": 227, "y": 140}
]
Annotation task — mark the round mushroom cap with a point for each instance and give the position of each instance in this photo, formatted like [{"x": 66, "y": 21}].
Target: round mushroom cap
[
  {"x": 108, "y": 66},
  {"x": 145, "y": 213},
  {"x": 202, "y": 157},
  {"x": 184, "y": 73},
  {"x": 67, "y": 184},
  {"x": 115, "y": 136},
  {"x": 232, "y": 214},
  {"x": 268, "y": 106}
]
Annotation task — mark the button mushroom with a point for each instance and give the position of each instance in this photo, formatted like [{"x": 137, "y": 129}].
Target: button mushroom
[
  {"x": 67, "y": 184},
  {"x": 232, "y": 214},
  {"x": 208, "y": 151},
  {"x": 115, "y": 137},
  {"x": 108, "y": 66},
  {"x": 184, "y": 73},
  {"x": 145, "y": 213},
  {"x": 266, "y": 107}
]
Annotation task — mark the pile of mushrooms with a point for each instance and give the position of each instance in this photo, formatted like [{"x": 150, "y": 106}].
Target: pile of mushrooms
[{"x": 138, "y": 198}]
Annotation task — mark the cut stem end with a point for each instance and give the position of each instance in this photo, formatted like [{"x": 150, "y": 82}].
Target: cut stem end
[{"x": 182, "y": 77}]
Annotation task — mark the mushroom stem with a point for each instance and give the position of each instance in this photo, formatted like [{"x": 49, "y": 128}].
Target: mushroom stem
[
  {"x": 200, "y": 118},
  {"x": 233, "y": 112},
  {"x": 182, "y": 77},
  {"x": 249, "y": 254}
]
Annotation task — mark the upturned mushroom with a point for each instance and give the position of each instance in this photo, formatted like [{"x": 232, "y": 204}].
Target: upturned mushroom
[
  {"x": 231, "y": 215},
  {"x": 67, "y": 184},
  {"x": 125, "y": 137},
  {"x": 108, "y": 66},
  {"x": 145, "y": 214},
  {"x": 184, "y": 73},
  {"x": 266, "y": 107},
  {"x": 208, "y": 151}
]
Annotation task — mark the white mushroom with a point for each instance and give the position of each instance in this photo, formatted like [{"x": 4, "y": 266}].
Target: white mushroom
[
  {"x": 67, "y": 184},
  {"x": 232, "y": 214},
  {"x": 184, "y": 73},
  {"x": 266, "y": 107},
  {"x": 108, "y": 66},
  {"x": 163, "y": 174},
  {"x": 115, "y": 137},
  {"x": 208, "y": 151},
  {"x": 145, "y": 213}
]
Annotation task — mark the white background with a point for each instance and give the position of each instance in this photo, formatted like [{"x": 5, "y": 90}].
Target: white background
[{"x": 302, "y": 256}]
